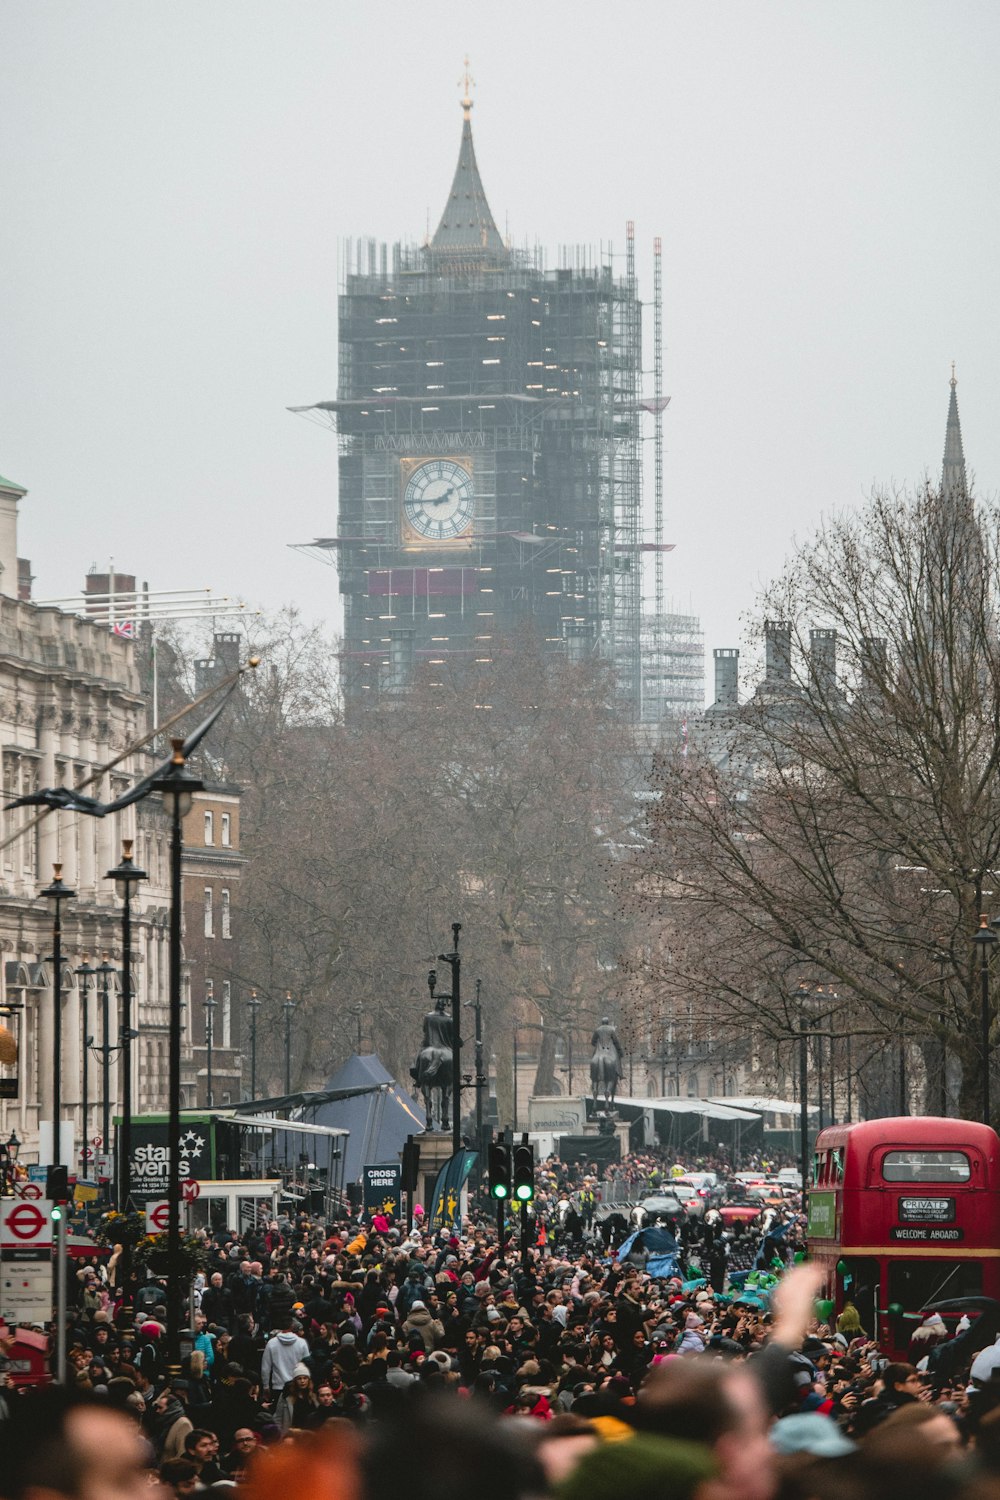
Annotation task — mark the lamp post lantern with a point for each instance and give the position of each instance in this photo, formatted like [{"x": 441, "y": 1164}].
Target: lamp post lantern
[{"x": 176, "y": 787}]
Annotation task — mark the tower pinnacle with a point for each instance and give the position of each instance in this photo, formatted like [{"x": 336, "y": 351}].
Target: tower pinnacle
[
  {"x": 953, "y": 481},
  {"x": 467, "y": 237}
]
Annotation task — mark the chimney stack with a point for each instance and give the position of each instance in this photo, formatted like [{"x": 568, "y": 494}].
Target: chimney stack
[
  {"x": 777, "y": 651},
  {"x": 823, "y": 661},
  {"x": 727, "y": 677}
]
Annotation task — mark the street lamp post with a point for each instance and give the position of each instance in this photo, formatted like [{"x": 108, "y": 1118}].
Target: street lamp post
[
  {"x": 454, "y": 962},
  {"x": 288, "y": 1007},
  {"x": 106, "y": 969},
  {"x": 8, "y": 1162},
  {"x": 942, "y": 958},
  {"x": 177, "y": 787},
  {"x": 515, "y": 1075},
  {"x": 476, "y": 1007},
  {"x": 253, "y": 1006},
  {"x": 804, "y": 1102},
  {"x": 57, "y": 893},
  {"x": 84, "y": 972},
  {"x": 986, "y": 939},
  {"x": 210, "y": 1004},
  {"x": 125, "y": 875}
]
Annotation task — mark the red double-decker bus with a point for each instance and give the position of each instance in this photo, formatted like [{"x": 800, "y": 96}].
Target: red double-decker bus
[{"x": 904, "y": 1213}]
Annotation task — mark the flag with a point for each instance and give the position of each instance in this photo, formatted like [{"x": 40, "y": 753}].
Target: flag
[
  {"x": 447, "y": 1198},
  {"x": 125, "y": 628}
]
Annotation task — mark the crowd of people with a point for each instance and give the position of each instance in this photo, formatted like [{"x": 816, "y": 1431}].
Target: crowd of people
[{"x": 348, "y": 1358}]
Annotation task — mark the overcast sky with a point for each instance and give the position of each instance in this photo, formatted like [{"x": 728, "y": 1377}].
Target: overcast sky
[{"x": 175, "y": 178}]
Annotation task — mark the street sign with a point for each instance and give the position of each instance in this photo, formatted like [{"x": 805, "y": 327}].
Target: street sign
[
  {"x": 29, "y": 1190},
  {"x": 158, "y": 1216},
  {"x": 190, "y": 1191},
  {"x": 97, "y": 1140},
  {"x": 24, "y": 1224},
  {"x": 26, "y": 1290}
]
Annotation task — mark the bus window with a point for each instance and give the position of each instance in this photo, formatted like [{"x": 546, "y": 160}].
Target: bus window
[
  {"x": 860, "y": 1283},
  {"x": 914, "y": 1283},
  {"x": 926, "y": 1166}
]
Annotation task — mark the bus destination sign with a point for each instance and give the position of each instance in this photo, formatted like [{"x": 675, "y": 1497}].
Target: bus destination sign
[
  {"x": 927, "y": 1210},
  {"x": 936, "y": 1232}
]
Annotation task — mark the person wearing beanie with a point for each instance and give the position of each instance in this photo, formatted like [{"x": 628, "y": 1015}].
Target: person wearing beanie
[
  {"x": 420, "y": 1321},
  {"x": 297, "y": 1404},
  {"x": 692, "y": 1340}
]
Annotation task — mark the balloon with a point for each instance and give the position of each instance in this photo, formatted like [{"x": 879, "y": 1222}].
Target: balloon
[
  {"x": 824, "y": 1309},
  {"x": 842, "y": 1268},
  {"x": 896, "y": 1309},
  {"x": 800, "y": 1256}
]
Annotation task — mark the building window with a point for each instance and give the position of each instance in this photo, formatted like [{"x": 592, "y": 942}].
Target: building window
[
  {"x": 209, "y": 931},
  {"x": 226, "y": 930},
  {"x": 209, "y": 828},
  {"x": 226, "y": 836},
  {"x": 227, "y": 1014},
  {"x": 692, "y": 1085}
]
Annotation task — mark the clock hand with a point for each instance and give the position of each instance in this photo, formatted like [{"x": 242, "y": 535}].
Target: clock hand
[{"x": 440, "y": 499}]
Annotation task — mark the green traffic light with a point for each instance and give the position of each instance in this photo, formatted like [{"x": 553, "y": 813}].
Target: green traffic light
[
  {"x": 524, "y": 1191},
  {"x": 499, "y": 1190},
  {"x": 57, "y": 1213}
]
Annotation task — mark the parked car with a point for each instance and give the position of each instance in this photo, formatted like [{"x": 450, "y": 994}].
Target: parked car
[
  {"x": 691, "y": 1200},
  {"x": 660, "y": 1208},
  {"x": 740, "y": 1211},
  {"x": 705, "y": 1184}
]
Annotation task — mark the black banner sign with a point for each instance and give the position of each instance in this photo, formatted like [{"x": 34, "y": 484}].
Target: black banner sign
[
  {"x": 149, "y": 1166},
  {"x": 383, "y": 1189},
  {"x": 926, "y": 1232}
]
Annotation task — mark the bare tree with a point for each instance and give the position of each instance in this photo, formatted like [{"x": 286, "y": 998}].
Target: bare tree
[
  {"x": 499, "y": 797},
  {"x": 843, "y": 828}
]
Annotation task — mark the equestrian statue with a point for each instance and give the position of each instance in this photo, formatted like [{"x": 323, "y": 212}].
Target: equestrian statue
[
  {"x": 606, "y": 1063},
  {"x": 432, "y": 1070}
]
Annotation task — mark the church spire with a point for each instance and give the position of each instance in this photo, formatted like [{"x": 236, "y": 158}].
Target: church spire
[
  {"x": 953, "y": 482},
  {"x": 467, "y": 237}
]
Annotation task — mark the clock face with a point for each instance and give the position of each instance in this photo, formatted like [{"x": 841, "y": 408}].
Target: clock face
[{"x": 439, "y": 500}]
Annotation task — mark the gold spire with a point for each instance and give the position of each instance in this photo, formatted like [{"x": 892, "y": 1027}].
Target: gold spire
[{"x": 465, "y": 83}]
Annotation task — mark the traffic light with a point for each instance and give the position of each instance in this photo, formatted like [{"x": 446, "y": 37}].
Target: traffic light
[
  {"x": 57, "y": 1184},
  {"x": 57, "y": 1191},
  {"x": 524, "y": 1173},
  {"x": 499, "y": 1170}
]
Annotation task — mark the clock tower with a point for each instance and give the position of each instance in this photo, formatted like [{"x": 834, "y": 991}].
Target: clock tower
[{"x": 488, "y": 427}]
